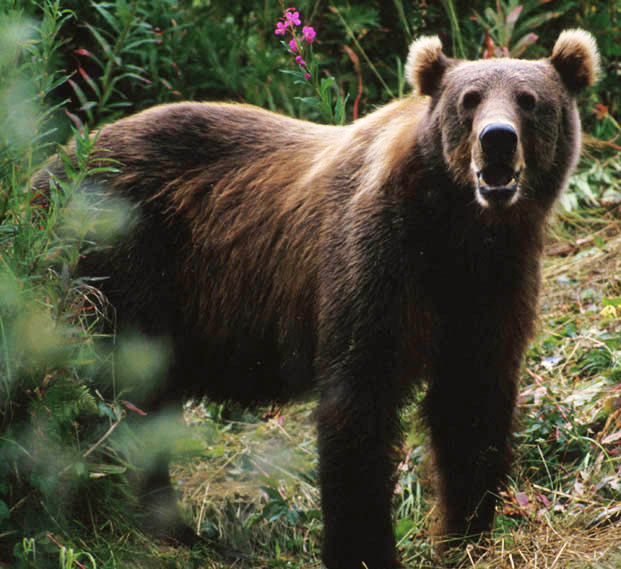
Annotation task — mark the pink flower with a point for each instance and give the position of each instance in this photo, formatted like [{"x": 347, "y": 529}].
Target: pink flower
[
  {"x": 307, "y": 76},
  {"x": 281, "y": 28},
  {"x": 300, "y": 61},
  {"x": 293, "y": 45},
  {"x": 293, "y": 17},
  {"x": 309, "y": 34}
]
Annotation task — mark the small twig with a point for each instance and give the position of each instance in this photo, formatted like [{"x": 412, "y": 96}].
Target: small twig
[
  {"x": 468, "y": 552},
  {"x": 558, "y": 555},
  {"x": 612, "y": 417},
  {"x": 55, "y": 542},
  {"x": 564, "y": 495},
  {"x": 259, "y": 468},
  {"x": 356, "y": 61},
  {"x": 104, "y": 437},
  {"x": 539, "y": 380},
  {"x": 567, "y": 361},
  {"x": 201, "y": 513}
]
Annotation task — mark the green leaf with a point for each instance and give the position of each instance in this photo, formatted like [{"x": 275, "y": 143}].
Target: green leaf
[
  {"x": 91, "y": 82},
  {"x": 114, "y": 23},
  {"x": 297, "y": 74},
  {"x": 570, "y": 330},
  {"x": 88, "y": 106},
  {"x": 513, "y": 16},
  {"x": 326, "y": 83},
  {"x": 100, "y": 39},
  {"x": 100, "y": 470},
  {"x": 403, "y": 528},
  {"x": 130, "y": 47},
  {"x": 5, "y": 513},
  {"x": 539, "y": 20},
  {"x": 339, "y": 110},
  {"x": 308, "y": 100},
  {"x": 521, "y": 46},
  {"x": 79, "y": 93},
  {"x": 492, "y": 16}
]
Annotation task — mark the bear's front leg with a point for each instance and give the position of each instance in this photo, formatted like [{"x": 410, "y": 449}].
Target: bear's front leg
[
  {"x": 360, "y": 364},
  {"x": 358, "y": 432},
  {"x": 469, "y": 408}
]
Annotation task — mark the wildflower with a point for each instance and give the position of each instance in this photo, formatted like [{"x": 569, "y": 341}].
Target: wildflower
[
  {"x": 296, "y": 41},
  {"x": 293, "y": 17},
  {"x": 309, "y": 34},
  {"x": 281, "y": 28}
]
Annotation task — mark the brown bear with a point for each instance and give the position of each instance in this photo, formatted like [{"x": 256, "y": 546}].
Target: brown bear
[{"x": 280, "y": 258}]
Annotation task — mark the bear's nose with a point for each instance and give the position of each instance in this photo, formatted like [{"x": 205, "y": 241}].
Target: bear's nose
[{"x": 498, "y": 141}]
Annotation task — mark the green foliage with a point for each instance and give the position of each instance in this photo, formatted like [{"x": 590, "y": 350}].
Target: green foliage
[
  {"x": 26, "y": 55},
  {"x": 49, "y": 415},
  {"x": 32, "y": 554},
  {"x": 509, "y": 28},
  {"x": 456, "y": 33},
  {"x": 597, "y": 183},
  {"x": 278, "y": 507},
  {"x": 120, "y": 40},
  {"x": 604, "y": 18}
]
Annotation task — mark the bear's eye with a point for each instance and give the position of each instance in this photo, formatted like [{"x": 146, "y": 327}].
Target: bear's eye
[
  {"x": 526, "y": 101},
  {"x": 470, "y": 100}
]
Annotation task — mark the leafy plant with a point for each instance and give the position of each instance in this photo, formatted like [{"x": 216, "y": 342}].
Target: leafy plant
[
  {"x": 603, "y": 17},
  {"x": 509, "y": 27},
  {"x": 597, "y": 183},
  {"x": 48, "y": 317},
  {"x": 120, "y": 39}
]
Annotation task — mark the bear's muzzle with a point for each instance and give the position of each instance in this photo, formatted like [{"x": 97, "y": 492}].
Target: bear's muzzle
[{"x": 496, "y": 165}]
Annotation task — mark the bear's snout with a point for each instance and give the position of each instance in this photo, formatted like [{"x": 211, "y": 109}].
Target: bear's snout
[
  {"x": 498, "y": 142},
  {"x": 497, "y": 164}
]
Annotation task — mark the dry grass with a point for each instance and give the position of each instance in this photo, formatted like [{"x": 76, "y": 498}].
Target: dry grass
[
  {"x": 550, "y": 546},
  {"x": 573, "y": 252}
]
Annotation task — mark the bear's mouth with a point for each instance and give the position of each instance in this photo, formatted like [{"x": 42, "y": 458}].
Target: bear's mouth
[{"x": 498, "y": 183}]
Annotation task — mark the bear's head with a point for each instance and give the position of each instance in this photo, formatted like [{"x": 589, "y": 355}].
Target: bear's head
[{"x": 507, "y": 128}]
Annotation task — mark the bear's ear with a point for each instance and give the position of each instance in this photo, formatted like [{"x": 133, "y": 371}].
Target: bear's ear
[
  {"x": 426, "y": 64},
  {"x": 576, "y": 59}
]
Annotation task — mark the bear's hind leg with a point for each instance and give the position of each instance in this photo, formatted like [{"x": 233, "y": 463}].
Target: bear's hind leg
[
  {"x": 357, "y": 436},
  {"x": 161, "y": 515}
]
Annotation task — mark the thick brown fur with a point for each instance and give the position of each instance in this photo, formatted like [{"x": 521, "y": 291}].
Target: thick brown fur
[{"x": 278, "y": 257}]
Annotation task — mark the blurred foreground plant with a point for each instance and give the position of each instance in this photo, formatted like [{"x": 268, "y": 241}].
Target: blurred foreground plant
[{"x": 48, "y": 316}]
